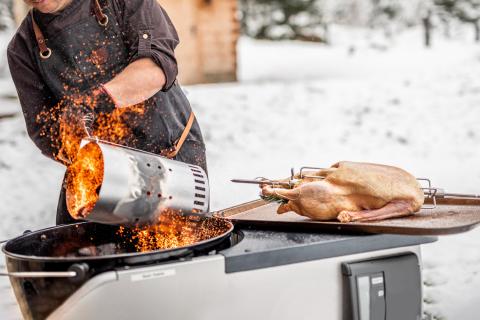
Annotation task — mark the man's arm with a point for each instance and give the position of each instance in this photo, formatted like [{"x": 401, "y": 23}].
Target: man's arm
[
  {"x": 38, "y": 105},
  {"x": 139, "y": 81},
  {"x": 151, "y": 39}
]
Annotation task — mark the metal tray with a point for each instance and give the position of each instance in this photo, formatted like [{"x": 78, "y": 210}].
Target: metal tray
[{"x": 449, "y": 217}]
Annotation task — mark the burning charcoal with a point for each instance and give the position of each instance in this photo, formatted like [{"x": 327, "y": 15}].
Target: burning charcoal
[
  {"x": 84, "y": 178},
  {"x": 172, "y": 231}
]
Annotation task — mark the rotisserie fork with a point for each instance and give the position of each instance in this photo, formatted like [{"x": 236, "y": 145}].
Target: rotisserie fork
[{"x": 430, "y": 192}]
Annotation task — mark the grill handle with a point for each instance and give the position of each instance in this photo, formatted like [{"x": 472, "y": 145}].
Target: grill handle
[
  {"x": 41, "y": 274},
  {"x": 24, "y": 233},
  {"x": 77, "y": 272}
]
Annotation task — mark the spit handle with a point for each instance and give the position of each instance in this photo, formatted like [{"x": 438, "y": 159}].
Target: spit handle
[{"x": 262, "y": 181}]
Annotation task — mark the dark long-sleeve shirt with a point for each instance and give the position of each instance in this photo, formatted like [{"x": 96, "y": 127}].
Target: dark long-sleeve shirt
[{"x": 135, "y": 17}]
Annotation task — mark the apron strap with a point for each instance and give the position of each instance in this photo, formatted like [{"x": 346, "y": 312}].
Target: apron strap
[
  {"x": 46, "y": 52},
  {"x": 175, "y": 149},
  {"x": 101, "y": 17}
]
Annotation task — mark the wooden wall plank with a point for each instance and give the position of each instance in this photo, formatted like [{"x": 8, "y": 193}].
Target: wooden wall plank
[{"x": 208, "y": 31}]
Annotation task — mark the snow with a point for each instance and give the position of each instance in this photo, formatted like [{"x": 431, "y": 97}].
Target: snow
[{"x": 364, "y": 98}]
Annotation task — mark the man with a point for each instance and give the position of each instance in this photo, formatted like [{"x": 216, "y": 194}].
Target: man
[{"x": 106, "y": 68}]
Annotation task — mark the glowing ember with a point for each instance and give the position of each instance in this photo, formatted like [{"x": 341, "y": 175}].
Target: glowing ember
[
  {"x": 65, "y": 125},
  {"x": 173, "y": 231},
  {"x": 114, "y": 127},
  {"x": 84, "y": 179},
  {"x": 72, "y": 130}
]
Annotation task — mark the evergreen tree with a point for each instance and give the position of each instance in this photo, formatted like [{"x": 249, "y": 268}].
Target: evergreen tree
[
  {"x": 466, "y": 11},
  {"x": 283, "y": 19}
]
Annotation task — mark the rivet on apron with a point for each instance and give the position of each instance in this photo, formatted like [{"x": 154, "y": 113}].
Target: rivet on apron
[
  {"x": 46, "y": 54},
  {"x": 104, "y": 21}
]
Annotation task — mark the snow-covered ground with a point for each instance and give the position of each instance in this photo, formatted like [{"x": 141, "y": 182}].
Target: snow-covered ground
[{"x": 308, "y": 104}]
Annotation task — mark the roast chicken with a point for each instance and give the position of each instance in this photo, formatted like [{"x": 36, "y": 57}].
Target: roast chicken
[{"x": 351, "y": 191}]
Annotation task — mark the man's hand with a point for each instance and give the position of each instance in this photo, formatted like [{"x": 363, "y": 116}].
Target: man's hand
[{"x": 97, "y": 99}]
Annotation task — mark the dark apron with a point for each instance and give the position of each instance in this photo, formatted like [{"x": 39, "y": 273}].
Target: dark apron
[{"x": 72, "y": 68}]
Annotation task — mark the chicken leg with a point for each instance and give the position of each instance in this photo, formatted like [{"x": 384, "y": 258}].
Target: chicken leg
[{"x": 393, "y": 209}]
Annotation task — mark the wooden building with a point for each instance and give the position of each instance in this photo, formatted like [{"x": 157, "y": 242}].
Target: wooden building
[{"x": 208, "y": 31}]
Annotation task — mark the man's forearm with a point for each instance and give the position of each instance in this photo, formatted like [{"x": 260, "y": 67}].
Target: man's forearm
[{"x": 138, "y": 82}]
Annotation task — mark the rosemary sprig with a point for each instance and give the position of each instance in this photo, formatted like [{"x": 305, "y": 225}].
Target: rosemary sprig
[{"x": 273, "y": 198}]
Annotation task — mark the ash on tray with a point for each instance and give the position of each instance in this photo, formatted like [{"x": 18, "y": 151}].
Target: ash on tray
[{"x": 100, "y": 250}]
